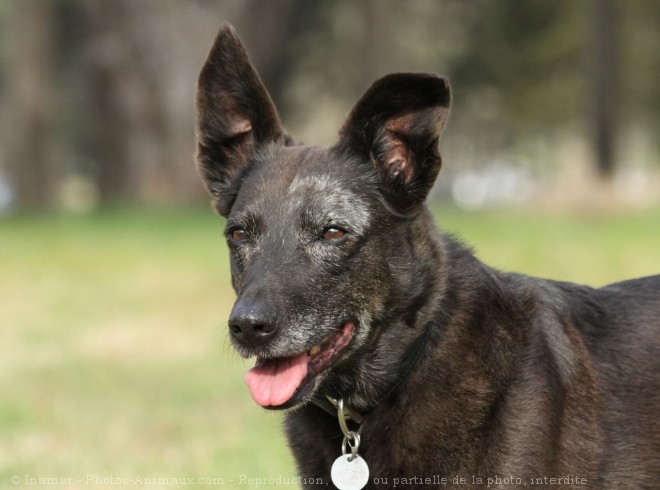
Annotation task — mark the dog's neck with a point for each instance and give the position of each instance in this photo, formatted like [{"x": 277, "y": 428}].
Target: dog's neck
[
  {"x": 410, "y": 359},
  {"x": 437, "y": 322},
  {"x": 400, "y": 338}
]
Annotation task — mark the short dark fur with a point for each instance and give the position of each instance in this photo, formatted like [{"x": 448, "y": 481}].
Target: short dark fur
[{"x": 519, "y": 376}]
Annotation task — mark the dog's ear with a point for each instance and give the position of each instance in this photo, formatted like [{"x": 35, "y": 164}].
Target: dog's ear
[
  {"x": 235, "y": 115},
  {"x": 396, "y": 125}
]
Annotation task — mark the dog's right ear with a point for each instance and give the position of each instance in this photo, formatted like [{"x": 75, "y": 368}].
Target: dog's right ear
[
  {"x": 396, "y": 126},
  {"x": 235, "y": 115}
]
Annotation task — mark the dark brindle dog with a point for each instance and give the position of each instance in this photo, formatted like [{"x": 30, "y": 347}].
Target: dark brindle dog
[{"x": 346, "y": 290}]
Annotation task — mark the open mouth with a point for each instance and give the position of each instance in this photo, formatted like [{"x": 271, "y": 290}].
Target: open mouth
[{"x": 281, "y": 382}]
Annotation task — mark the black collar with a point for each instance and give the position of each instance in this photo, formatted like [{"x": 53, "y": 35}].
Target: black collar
[{"x": 410, "y": 358}]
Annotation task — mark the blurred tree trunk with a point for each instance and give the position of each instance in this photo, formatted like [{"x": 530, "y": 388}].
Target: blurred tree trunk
[
  {"x": 268, "y": 30},
  {"x": 29, "y": 102},
  {"x": 603, "y": 83},
  {"x": 128, "y": 134}
]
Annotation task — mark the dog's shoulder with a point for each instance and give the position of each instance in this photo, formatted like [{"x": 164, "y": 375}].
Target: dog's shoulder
[
  {"x": 600, "y": 312},
  {"x": 633, "y": 318},
  {"x": 643, "y": 288}
]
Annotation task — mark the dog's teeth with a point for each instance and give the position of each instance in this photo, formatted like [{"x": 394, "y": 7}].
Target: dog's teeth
[{"x": 315, "y": 350}]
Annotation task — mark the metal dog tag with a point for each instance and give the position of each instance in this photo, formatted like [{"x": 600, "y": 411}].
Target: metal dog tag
[{"x": 349, "y": 472}]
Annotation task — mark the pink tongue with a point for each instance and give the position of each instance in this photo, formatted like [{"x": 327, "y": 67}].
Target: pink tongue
[{"x": 274, "y": 382}]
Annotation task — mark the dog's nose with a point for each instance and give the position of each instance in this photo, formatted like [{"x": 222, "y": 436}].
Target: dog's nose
[{"x": 251, "y": 324}]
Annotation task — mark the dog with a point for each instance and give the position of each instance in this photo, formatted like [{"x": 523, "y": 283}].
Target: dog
[{"x": 386, "y": 339}]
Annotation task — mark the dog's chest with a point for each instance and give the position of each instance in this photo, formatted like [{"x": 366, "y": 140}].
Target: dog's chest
[{"x": 392, "y": 448}]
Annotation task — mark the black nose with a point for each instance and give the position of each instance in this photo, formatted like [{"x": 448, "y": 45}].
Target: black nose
[{"x": 251, "y": 324}]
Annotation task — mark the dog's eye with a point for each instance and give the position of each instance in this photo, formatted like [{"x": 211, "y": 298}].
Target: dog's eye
[
  {"x": 333, "y": 233},
  {"x": 238, "y": 235}
]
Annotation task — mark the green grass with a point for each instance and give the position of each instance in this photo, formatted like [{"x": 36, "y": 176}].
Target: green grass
[
  {"x": 587, "y": 249},
  {"x": 115, "y": 360}
]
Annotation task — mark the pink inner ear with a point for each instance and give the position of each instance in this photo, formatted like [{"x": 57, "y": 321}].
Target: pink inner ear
[
  {"x": 242, "y": 138},
  {"x": 240, "y": 126},
  {"x": 400, "y": 124},
  {"x": 397, "y": 159}
]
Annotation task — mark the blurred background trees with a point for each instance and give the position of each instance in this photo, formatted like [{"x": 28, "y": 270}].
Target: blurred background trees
[{"x": 96, "y": 96}]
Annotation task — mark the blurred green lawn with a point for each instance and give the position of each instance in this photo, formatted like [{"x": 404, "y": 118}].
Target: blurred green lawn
[{"x": 115, "y": 360}]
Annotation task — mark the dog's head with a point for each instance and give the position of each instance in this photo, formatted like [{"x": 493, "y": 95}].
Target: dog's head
[{"x": 321, "y": 239}]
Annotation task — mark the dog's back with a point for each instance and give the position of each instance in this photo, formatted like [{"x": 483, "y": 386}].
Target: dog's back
[
  {"x": 626, "y": 355},
  {"x": 599, "y": 354}
]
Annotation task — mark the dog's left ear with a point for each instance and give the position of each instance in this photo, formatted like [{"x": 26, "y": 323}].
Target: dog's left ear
[
  {"x": 235, "y": 116},
  {"x": 396, "y": 125}
]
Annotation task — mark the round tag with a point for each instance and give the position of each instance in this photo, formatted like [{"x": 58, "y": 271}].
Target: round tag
[{"x": 350, "y": 474}]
